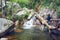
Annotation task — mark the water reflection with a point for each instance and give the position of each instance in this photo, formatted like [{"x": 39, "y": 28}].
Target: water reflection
[{"x": 32, "y": 34}]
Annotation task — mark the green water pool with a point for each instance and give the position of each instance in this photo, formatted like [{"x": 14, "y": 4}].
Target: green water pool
[{"x": 32, "y": 34}]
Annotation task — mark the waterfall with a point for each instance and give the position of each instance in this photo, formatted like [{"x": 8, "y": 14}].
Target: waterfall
[{"x": 29, "y": 24}]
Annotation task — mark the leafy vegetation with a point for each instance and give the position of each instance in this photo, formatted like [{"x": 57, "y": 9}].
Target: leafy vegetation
[
  {"x": 20, "y": 18},
  {"x": 52, "y": 4},
  {"x": 33, "y": 3},
  {"x": 26, "y": 15}
]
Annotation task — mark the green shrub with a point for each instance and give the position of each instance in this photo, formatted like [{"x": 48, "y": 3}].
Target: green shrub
[
  {"x": 26, "y": 15},
  {"x": 20, "y": 18},
  {"x": 9, "y": 17}
]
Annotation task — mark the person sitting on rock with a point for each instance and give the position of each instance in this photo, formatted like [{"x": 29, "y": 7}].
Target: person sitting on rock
[{"x": 52, "y": 29}]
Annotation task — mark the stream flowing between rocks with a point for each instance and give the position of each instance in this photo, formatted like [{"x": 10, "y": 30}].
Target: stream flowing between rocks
[{"x": 31, "y": 33}]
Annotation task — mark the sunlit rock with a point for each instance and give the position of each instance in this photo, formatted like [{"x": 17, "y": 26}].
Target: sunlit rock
[
  {"x": 45, "y": 11},
  {"x": 21, "y": 13},
  {"x": 5, "y": 24}
]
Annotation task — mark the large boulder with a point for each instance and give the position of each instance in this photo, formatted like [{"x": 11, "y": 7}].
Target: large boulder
[
  {"x": 5, "y": 26},
  {"x": 45, "y": 11}
]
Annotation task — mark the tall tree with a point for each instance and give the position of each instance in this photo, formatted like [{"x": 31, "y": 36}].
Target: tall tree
[{"x": 5, "y": 9}]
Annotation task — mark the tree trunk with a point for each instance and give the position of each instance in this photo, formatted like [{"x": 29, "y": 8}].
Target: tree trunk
[{"x": 44, "y": 21}]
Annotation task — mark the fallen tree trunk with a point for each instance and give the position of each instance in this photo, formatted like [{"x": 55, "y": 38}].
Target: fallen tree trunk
[{"x": 43, "y": 21}]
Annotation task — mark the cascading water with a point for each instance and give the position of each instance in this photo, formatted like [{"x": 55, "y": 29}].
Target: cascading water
[{"x": 29, "y": 24}]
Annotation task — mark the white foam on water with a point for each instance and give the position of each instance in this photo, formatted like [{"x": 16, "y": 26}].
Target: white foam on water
[{"x": 29, "y": 24}]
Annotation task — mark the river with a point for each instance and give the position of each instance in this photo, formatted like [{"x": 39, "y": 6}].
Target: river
[{"x": 32, "y": 34}]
